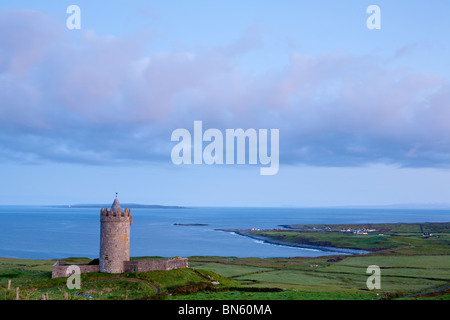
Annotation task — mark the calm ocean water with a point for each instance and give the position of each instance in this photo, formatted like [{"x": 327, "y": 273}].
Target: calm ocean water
[{"x": 52, "y": 233}]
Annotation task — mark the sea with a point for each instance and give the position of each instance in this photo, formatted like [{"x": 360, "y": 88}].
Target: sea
[{"x": 45, "y": 232}]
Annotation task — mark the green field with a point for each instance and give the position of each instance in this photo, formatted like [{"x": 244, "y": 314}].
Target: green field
[
  {"x": 33, "y": 277},
  {"x": 410, "y": 264},
  {"x": 405, "y": 238}
]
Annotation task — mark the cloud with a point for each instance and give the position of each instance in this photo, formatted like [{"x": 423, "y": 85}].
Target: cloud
[{"x": 106, "y": 100}]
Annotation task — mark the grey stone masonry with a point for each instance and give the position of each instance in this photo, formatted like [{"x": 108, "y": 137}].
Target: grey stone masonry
[
  {"x": 153, "y": 265},
  {"x": 114, "y": 239},
  {"x": 59, "y": 269}
]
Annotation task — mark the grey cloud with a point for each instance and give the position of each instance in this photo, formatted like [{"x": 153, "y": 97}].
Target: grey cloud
[{"x": 101, "y": 100}]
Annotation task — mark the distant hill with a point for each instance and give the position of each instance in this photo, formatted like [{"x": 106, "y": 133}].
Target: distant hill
[{"x": 123, "y": 205}]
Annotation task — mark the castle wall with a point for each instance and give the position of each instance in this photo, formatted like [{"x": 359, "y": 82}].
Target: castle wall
[
  {"x": 177, "y": 263},
  {"x": 59, "y": 269},
  {"x": 153, "y": 265}
]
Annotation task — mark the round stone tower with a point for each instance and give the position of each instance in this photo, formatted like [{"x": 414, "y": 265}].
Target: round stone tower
[{"x": 114, "y": 238}]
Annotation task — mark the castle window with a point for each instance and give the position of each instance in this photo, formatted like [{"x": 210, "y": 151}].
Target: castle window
[{"x": 106, "y": 257}]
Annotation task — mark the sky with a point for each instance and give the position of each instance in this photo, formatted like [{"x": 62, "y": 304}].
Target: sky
[{"x": 363, "y": 115}]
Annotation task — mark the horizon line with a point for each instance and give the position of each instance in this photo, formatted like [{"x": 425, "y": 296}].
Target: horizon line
[{"x": 340, "y": 206}]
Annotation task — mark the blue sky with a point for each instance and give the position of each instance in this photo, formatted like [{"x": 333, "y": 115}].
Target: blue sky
[{"x": 363, "y": 114}]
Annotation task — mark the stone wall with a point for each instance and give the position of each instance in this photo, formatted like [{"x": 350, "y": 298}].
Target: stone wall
[
  {"x": 153, "y": 265},
  {"x": 59, "y": 269}
]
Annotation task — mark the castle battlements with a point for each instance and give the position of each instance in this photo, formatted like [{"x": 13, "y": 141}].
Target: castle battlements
[
  {"x": 109, "y": 212},
  {"x": 118, "y": 215}
]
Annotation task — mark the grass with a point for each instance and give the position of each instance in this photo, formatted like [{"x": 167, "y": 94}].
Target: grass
[
  {"x": 118, "y": 289},
  {"x": 296, "y": 278},
  {"x": 230, "y": 270},
  {"x": 283, "y": 295},
  {"x": 34, "y": 279},
  {"x": 409, "y": 264},
  {"x": 169, "y": 279},
  {"x": 386, "y": 236},
  {"x": 344, "y": 279}
]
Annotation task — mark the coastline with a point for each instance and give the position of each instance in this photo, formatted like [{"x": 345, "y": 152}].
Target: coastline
[{"x": 246, "y": 233}]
